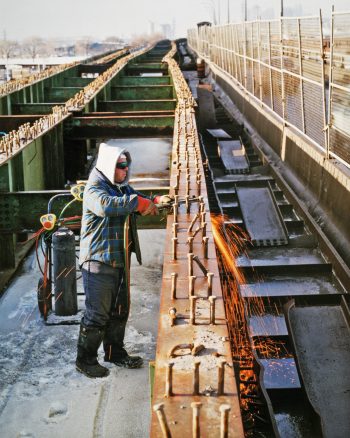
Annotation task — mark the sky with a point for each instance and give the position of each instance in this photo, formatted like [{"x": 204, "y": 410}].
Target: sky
[{"x": 20, "y": 19}]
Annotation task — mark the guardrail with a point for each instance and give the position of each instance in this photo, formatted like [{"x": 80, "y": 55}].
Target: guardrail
[{"x": 281, "y": 63}]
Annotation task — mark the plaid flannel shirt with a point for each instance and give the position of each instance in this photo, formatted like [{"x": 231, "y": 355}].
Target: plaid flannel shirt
[{"x": 105, "y": 210}]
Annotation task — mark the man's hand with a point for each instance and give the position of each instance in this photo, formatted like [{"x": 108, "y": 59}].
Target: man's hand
[
  {"x": 146, "y": 207},
  {"x": 163, "y": 200}
]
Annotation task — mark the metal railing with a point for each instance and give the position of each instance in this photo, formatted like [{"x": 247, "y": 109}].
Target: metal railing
[
  {"x": 282, "y": 64},
  {"x": 339, "y": 87}
]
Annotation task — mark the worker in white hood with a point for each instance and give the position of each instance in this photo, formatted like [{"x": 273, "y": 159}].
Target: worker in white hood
[{"x": 108, "y": 234}]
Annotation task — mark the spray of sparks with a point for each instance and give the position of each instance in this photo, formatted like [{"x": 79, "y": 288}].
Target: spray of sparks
[{"x": 231, "y": 242}]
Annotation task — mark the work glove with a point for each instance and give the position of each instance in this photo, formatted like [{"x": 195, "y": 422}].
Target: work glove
[
  {"x": 146, "y": 207},
  {"x": 163, "y": 200}
]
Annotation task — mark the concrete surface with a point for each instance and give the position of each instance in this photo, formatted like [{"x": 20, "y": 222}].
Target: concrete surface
[{"x": 42, "y": 394}]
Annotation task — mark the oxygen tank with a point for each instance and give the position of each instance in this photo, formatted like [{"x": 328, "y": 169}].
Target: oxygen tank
[{"x": 64, "y": 272}]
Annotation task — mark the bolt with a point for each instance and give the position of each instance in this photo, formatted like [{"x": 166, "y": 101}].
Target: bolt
[
  {"x": 169, "y": 380},
  {"x": 221, "y": 377},
  {"x": 187, "y": 202},
  {"x": 192, "y": 280},
  {"x": 187, "y": 189},
  {"x": 175, "y": 227},
  {"x": 172, "y": 315},
  {"x": 173, "y": 285},
  {"x": 190, "y": 243},
  {"x": 196, "y": 378},
  {"x": 190, "y": 263},
  {"x": 204, "y": 229},
  {"x": 195, "y": 419},
  {"x": 175, "y": 211},
  {"x": 210, "y": 277},
  {"x": 174, "y": 247},
  {"x": 193, "y": 300},
  {"x": 224, "y": 409},
  {"x": 212, "y": 299},
  {"x": 193, "y": 222},
  {"x": 176, "y": 186},
  {"x": 159, "y": 410},
  {"x": 205, "y": 244}
]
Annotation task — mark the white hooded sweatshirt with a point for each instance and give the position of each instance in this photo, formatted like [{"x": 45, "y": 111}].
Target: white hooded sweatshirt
[{"x": 108, "y": 155}]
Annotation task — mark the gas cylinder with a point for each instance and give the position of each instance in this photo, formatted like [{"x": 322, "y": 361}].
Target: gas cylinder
[{"x": 64, "y": 272}]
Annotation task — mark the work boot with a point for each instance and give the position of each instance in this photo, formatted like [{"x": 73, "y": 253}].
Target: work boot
[
  {"x": 90, "y": 339},
  {"x": 122, "y": 359}
]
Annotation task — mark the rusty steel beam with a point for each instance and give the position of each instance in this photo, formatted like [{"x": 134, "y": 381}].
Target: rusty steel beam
[{"x": 195, "y": 386}]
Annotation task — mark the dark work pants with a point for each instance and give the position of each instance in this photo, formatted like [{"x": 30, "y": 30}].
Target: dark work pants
[{"x": 107, "y": 307}]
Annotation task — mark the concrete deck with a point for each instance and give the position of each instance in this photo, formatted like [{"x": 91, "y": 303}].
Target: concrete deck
[{"x": 43, "y": 395}]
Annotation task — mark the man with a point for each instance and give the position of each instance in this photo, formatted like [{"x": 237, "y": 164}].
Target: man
[{"x": 108, "y": 234}]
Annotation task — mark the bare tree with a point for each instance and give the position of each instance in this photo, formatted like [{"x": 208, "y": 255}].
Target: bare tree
[
  {"x": 7, "y": 48},
  {"x": 33, "y": 46}
]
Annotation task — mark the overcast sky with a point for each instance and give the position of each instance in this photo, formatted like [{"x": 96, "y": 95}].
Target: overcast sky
[{"x": 102, "y": 18}]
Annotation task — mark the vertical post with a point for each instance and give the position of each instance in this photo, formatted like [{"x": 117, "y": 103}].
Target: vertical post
[
  {"x": 196, "y": 378},
  {"x": 159, "y": 410},
  {"x": 9, "y": 105},
  {"x": 191, "y": 282},
  {"x": 221, "y": 377},
  {"x": 193, "y": 300},
  {"x": 239, "y": 56},
  {"x": 270, "y": 69},
  {"x": 169, "y": 380},
  {"x": 282, "y": 76},
  {"x": 210, "y": 277},
  {"x": 195, "y": 419},
  {"x": 173, "y": 285},
  {"x": 252, "y": 56},
  {"x": 212, "y": 299},
  {"x": 224, "y": 409},
  {"x": 245, "y": 53},
  {"x": 325, "y": 126},
  {"x": 259, "y": 60},
  {"x": 301, "y": 76}
]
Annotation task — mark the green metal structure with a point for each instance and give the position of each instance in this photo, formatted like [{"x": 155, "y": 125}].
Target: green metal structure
[{"x": 138, "y": 101}]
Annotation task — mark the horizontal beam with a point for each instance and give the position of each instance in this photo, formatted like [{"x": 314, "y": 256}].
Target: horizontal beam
[
  {"x": 92, "y": 68},
  {"x": 77, "y": 82},
  {"x": 143, "y": 80},
  {"x": 142, "y": 92},
  {"x": 146, "y": 68},
  {"x": 10, "y": 123},
  {"x": 137, "y": 105},
  {"x": 32, "y": 108},
  {"x": 60, "y": 94},
  {"x": 97, "y": 127}
]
